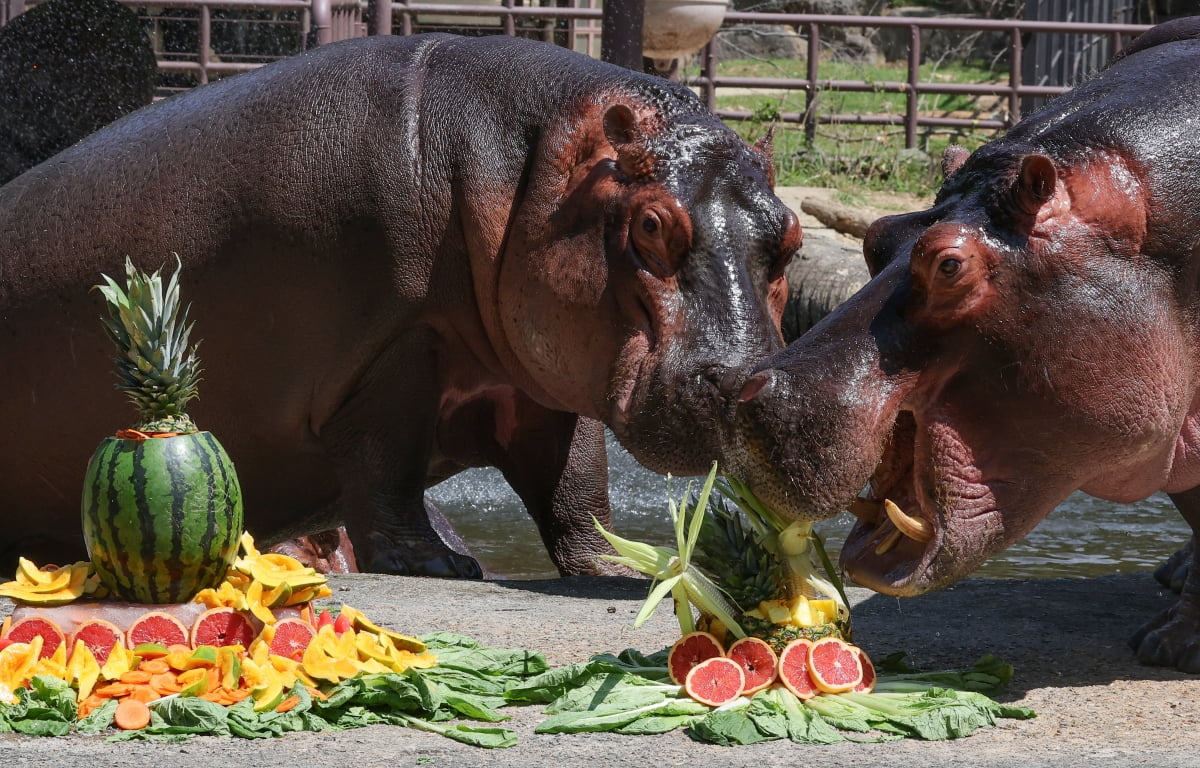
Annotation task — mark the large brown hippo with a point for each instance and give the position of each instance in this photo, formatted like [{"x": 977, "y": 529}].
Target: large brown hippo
[
  {"x": 405, "y": 257},
  {"x": 1035, "y": 332}
]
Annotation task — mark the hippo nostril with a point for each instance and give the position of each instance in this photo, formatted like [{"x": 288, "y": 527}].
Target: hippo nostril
[{"x": 758, "y": 384}]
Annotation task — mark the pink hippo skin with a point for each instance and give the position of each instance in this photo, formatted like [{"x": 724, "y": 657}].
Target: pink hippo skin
[
  {"x": 405, "y": 256},
  {"x": 1033, "y": 333}
]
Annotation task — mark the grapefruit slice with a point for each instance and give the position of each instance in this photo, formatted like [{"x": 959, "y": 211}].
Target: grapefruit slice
[
  {"x": 100, "y": 636},
  {"x": 290, "y": 638},
  {"x": 30, "y": 627},
  {"x": 715, "y": 681},
  {"x": 834, "y": 665},
  {"x": 867, "y": 684},
  {"x": 690, "y": 650},
  {"x": 157, "y": 628},
  {"x": 758, "y": 662},
  {"x": 222, "y": 626},
  {"x": 793, "y": 669}
]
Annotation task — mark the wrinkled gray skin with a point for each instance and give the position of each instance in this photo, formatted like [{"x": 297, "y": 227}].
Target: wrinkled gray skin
[
  {"x": 405, "y": 257},
  {"x": 1033, "y": 333}
]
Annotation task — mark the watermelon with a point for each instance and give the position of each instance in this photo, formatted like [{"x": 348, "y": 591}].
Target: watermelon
[{"x": 162, "y": 516}]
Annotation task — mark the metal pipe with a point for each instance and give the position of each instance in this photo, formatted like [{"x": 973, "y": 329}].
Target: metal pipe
[{"x": 621, "y": 32}]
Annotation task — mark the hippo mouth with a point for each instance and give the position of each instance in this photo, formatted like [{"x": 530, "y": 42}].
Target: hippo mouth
[{"x": 922, "y": 521}]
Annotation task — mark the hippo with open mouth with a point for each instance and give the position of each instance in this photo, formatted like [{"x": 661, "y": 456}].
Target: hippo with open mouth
[{"x": 1033, "y": 333}]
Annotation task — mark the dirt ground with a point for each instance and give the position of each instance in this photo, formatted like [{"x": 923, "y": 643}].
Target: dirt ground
[{"x": 1066, "y": 639}]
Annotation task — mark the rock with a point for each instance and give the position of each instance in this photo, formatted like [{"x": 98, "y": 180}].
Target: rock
[
  {"x": 844, "y": 218},
  {"x": 826, "y": 272},
  {"x": 760, "y": 41}
]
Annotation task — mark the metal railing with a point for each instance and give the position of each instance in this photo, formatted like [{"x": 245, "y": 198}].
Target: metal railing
[
  {"x": 575, "y": 26},
  {"x": 182, "y": 31},
  {"x": 317, "y": 22},
  {"x": 913, "y": 87}
]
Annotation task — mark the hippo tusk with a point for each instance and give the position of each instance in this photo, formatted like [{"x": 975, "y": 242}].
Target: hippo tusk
[
  {"x": 889, "y": 541},
  {"x": 912, "y": 527},
  {"x": 864, "y": 509}
]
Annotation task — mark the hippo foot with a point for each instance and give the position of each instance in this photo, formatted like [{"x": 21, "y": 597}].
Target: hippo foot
[
  {"x": 1173, "y": 572},
  {"x": 325, "y": 552},
  {"x": 1171, "y": 639},
  {"x": 420, "y": 558}
]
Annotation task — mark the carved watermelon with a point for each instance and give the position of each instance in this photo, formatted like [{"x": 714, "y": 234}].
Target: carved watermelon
[{"x": 161, "y": 516}]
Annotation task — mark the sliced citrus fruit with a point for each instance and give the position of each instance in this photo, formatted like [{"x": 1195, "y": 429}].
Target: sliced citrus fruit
[
  {"x": 867, "y": 684},
  {"x": 290, "y": 638},
  {"x": 690, "y": 650},
  {"x": 834, "y": 665},
  {"x": 100, "y": 636},
  {"x": 759, "y": 663},
  {"x": 793, "y": 668},
  {"x": 715, "y": 681},
  {"x": 26, "y": 629},
  {"x": 222, "y": 626},
  {"x": 158, "y": 628}
]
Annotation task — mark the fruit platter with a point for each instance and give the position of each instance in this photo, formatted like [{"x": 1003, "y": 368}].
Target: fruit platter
[
  {"x": 765, "y": 649},
  {"x": 177, "y": 624}
]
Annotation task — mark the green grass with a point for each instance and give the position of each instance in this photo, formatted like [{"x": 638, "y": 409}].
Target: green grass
[{"x": 857, "y": 157}]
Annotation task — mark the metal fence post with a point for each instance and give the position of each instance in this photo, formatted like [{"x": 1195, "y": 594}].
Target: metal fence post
[
  {"x": 621, "y": 32},
  {"x": 381, "y": 18},
  {"x": 912, "y": 103}
]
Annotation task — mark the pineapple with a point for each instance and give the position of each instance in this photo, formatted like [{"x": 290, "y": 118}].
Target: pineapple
[
  {"x": 768, "y": 572},
  {"x": 743, "y": 570},
  {"x": 162, "y": 506},
  {"x": 155, "y": 368}
]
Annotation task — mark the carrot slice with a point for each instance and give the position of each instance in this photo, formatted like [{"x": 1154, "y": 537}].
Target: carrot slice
[
  {"x": 132, "y": 715},
  {"x": 113, "y": 690},
  {"x": 89, "y": 705},
  {"x": 135, "y": 676},
  {"x": 165, "y": 683},
  {"x": 154, "y": 666},
  {"x": 144, "y": 694},
  {"x": 287, "y": 704}
]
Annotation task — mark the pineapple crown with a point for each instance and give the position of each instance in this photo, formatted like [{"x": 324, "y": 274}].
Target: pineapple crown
[{"x": 155, "y": 367}]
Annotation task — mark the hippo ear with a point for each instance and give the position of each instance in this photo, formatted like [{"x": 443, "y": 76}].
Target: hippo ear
[
  {"x": 953, "y": 158},
  {"x": 625, "y": 134},
  {"x": 765, "y": 148},
  {"x": 1035, "y": 186}
]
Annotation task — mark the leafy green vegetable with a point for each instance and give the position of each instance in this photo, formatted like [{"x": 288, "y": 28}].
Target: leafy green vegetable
[
  {"x": 609, "y": 693},
  {"x": 470, "y": 681}
]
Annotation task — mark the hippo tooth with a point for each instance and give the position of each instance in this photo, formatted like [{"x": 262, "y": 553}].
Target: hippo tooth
[
  {"x": 864, "y": 509},
  {"x": 889, "y": 541},
  {"x": 912, "y": 527}
]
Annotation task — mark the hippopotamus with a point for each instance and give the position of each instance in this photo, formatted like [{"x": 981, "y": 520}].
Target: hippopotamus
[
  {"x": 1033, "y": 333},
  {"x": 405, "y": 256}
]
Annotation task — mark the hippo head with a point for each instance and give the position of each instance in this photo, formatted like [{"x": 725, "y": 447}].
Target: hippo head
[
  {"x": 645, "y": 275},
  {"x": 1015, "y": 343}
]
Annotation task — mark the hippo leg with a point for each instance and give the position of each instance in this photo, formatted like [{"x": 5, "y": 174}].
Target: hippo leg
[
  {"x": 381, "y": 438},
  {"x": 1172, "y": 639},
  {"x": 557, "y": 463},
  {"x": 1173, "y": 572}
]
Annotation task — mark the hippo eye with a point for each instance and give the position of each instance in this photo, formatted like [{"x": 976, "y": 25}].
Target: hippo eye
[
  {"x": 949, "y": 267},
  {"x": 650, "y": 223}
]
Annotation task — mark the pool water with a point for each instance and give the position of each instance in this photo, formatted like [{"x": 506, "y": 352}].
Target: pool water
[{"x": 1083, "y": 537}]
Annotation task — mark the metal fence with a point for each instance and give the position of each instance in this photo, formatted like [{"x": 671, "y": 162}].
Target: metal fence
[
  {"x": 197, "y": 40},
  {"x": 913, "y": 87}
]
